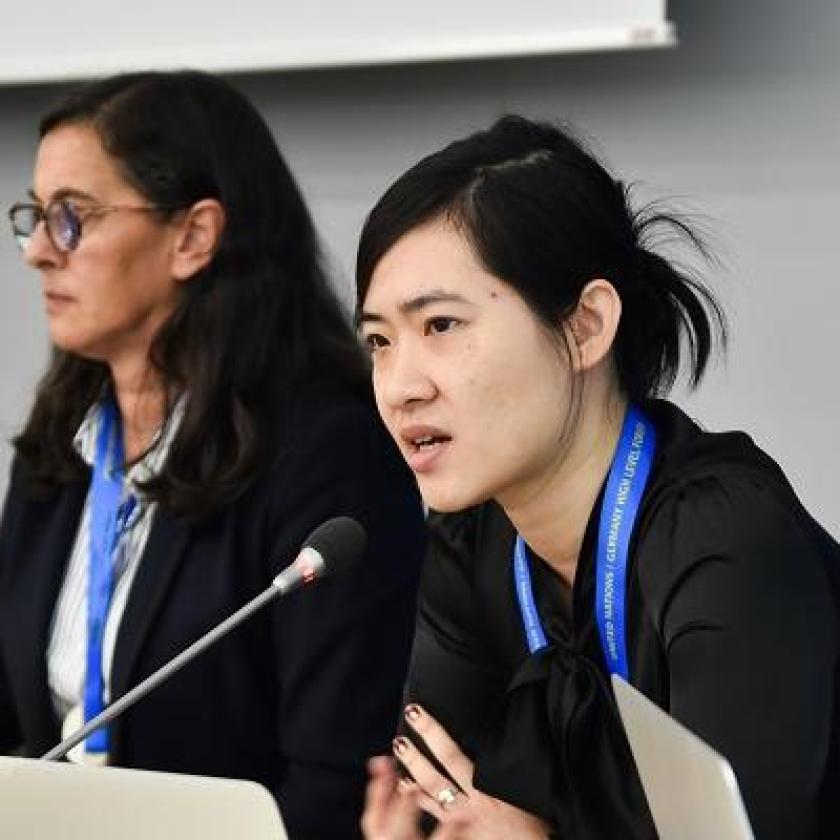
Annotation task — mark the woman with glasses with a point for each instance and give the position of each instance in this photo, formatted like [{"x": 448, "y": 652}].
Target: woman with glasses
[
  {"x": 206, "y": 407},
  {"x": 522, "y": 324}
]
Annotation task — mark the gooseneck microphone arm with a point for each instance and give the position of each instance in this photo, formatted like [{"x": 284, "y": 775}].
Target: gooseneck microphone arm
[
  {"x": 161, "y": 675},
  {"x": 341, "y": 540}
]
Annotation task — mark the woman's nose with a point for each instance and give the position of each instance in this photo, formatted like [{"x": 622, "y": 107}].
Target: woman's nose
[
  {"x": 403, "y": 379},
  {"x": 40, "y": 251}
]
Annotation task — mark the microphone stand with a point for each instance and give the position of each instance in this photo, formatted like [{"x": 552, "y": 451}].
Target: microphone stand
[{"x": 162, "y": 674}]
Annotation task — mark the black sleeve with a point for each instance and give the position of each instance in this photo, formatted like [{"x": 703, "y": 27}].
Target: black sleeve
[
  {"x": 451, "y": 672},
  {"x": 342, "y": 649},
  {"x": 751, "y": 636}
]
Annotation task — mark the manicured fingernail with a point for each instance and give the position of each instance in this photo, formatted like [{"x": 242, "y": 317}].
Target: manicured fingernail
[
  {"x": 400, "y": 746},
  {"x": 413, "y": 713}
]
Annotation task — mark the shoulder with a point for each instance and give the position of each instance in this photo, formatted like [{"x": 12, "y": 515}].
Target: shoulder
[
  {"x": 729, "y": 514},
  {"x": 329, "y": 427},
  {"x": 718, "y": 490},
  {"x": 325, "y": 408},
  {"x": 26, "y": 494},
  {"x": 335, "y": 458},
  {"x": 719, "y": 506}
]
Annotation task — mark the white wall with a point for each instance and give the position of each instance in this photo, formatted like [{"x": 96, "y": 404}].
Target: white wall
[
  {"x": 738, "y": 120},
  {"x": 289, "y": 35}
]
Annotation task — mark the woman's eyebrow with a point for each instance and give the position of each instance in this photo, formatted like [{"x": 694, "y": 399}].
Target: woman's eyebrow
[
  {"x": 412, "y": 305},
  {"x": 420, "y": 302},
  {"x": 65, "y": 192}
]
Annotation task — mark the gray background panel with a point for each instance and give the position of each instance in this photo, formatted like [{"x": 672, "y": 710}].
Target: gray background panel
[{"x": 740, "y": 122}]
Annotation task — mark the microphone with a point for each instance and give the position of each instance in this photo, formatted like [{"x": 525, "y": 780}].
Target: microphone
[{"x": 333, "y": 547}]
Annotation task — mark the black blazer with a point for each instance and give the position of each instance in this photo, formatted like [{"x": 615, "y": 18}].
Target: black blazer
[{"x": 299, "y": 696}]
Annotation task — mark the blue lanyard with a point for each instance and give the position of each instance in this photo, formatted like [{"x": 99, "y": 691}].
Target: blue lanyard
[
  {"x": 107, "y": 523},
  {"x": 525, "y": 594},
  {"x": 626, "y": 482}
]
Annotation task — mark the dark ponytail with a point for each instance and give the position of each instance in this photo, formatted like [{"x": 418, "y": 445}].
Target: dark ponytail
[
  {"x": 544, "y": 216},
  {"x": 668, "y": 311}
]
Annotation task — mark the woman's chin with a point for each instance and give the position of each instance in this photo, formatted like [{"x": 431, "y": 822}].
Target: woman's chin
[
  {"x": 450, "y": 499},
  {"x": 84, "y": 343},
  {"x": 67, "y": 344}
]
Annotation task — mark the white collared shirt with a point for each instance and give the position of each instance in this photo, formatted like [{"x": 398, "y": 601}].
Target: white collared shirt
[{"x": 67, "y": 649}]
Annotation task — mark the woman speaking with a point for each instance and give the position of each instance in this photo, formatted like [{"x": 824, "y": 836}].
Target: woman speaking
[{"x": 522, "y": 326}]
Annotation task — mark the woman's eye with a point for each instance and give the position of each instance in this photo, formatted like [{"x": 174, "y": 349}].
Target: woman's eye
[
  {"x": 72, "y": 207},
  {"x": 375, "y": 341},
  {"x": 440, "y": 325}
]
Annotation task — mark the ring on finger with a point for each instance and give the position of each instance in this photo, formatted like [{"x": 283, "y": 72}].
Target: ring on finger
[{"x": 446, "y": 797}]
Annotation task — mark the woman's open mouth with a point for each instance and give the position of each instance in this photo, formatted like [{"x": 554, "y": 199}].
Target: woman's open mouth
[{"x": 423, "y": 447}]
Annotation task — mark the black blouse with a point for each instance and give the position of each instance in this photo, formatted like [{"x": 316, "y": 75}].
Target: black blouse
[{"x": 733, "y": 627}]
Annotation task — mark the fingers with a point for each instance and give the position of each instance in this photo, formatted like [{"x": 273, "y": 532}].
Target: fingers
[
  {"x": 379, "y": 792},
  {"x": 387, "y": 814},
  {"x": 448, "y": 831},
  {"x": 380, "y": 788},
  {"x": 391, "y": 805},
  {"x": 449, "y": 811},
  {"x": 459, "y": 767},
  {"x": 431, "y": 790}
]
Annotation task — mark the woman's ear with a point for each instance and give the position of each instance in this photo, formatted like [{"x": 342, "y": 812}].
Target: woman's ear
[
  {"x": 199, "y": 234},
  {"x": 594, "y": 323}
]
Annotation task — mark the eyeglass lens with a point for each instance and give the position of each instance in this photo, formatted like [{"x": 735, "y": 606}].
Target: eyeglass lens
[
  {"x": 62, "y": 221},
  {"x": 24, "y": 218}
]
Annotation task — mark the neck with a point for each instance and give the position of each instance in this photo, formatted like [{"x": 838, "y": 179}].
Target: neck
[
  {"x": 552, "y": 513},
  {"x": 141, "y": 399}
]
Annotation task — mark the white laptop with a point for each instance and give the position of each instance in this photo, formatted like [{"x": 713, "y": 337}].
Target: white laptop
[
  {"x": 691, "y": 789},
  {"x": 44, "y": 800}
]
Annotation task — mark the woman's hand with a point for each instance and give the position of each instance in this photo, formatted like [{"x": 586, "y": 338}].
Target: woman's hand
[
  {"x": 463, "y": 812},
  {"x": 389, "y": 813}
]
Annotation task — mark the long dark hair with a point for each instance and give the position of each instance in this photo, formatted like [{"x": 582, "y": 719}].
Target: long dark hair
[
  {"x": 258, "y": 319},
  {"x": 545, "y": 216}
]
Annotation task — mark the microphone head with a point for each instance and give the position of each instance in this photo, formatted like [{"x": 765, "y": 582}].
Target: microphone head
[{"x": 340, "y": 541}]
